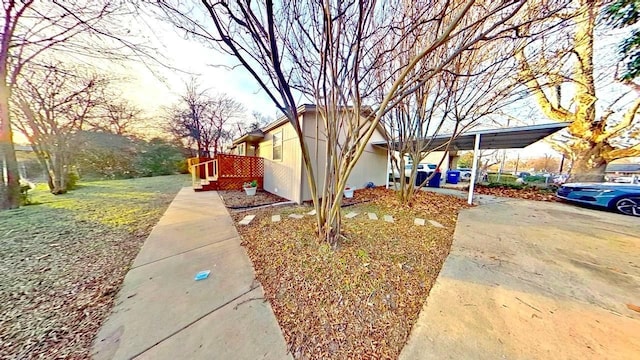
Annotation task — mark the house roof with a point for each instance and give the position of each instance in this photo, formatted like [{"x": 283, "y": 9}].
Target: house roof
[
  {"x": 283, "y": 120},
  {"x": 252, "y": 136},
  {"x": 26, "y": 148},
  {"x": 505, "y": 138},
  {"x": 624, "y": 168}
]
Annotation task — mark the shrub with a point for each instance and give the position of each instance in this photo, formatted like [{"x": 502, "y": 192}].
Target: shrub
[
  {"x": 506, "y": 185},
  {"x": 158, "y": 157},
  {"x": 504, "y": 178},
  {"x": 72, "y": 180},
  {"x": 104, "y": 155},
  {"x": 535, "y": 178},
  {"x": 25, "y": 196}
]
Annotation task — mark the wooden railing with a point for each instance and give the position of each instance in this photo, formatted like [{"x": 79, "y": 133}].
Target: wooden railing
[
  {"x": 229, "y": 172},
  {"x": 202, "y": 171}
]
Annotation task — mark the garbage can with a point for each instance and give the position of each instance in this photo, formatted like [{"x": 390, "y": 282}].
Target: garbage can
[
  {"x": 453, "y": 176},
  {"x": 421, "y": 176},
  {"x": 434, "y": 182}
]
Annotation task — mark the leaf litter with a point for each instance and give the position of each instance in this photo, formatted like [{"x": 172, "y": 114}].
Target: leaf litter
[{"x": 362, "y": 299}]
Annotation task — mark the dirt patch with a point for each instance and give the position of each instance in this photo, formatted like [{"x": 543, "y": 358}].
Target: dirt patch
[
  {"x": 234, "y": 199},
  {"x": 361, "y": 300},
  {"x": 62, "y": 262}
]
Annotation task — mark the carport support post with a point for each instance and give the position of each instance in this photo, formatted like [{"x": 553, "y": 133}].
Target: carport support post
[
  {"x": 474, "y": 171},
  {"x": 389, "y": 167}
]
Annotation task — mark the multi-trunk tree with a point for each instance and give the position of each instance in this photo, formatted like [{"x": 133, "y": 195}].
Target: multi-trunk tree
[
  {"x": 205, "y": 120},
  {"x": 325, "y": 51},
  {"x": 51, "y": 105},
  {"x": 30, "y": 29},
  {"x": 561, "y": 74},
  {"x": 470, "y": 89}
]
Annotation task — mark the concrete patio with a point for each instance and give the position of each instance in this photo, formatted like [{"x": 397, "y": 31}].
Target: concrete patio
[{"x": 161, "y": 312}]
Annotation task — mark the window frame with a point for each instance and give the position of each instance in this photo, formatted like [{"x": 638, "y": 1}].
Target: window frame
[{"x": 277, "y": 134}]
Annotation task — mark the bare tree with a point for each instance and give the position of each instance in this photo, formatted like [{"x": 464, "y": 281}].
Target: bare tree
[
  {"x": 204, "y": 120},
  {"x": 52, "y": 104},
  {"x": 324, "y": 51},
  {"x": 222, "y": 111},
  {"x": 473, "y": 86},
  {"x": 117, "y": 116},
  {"x": 594, "y": 137},
  {"x": 72, "y": 27}
]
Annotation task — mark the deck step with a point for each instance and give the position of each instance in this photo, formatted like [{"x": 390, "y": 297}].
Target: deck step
[{"x": 204, "y": 182}]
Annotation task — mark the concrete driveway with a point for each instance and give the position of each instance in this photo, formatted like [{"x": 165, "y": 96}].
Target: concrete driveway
[{"x": 534, "y": 280}]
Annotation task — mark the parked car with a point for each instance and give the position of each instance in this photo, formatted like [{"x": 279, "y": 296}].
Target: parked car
[
  {"x": 624, "y": 179},
  {"x": 428, "y": 168},
  {"x": 623, "y": 198},
  {"x": 560, "y": 179},
  {"x": 465, "y": 173}
]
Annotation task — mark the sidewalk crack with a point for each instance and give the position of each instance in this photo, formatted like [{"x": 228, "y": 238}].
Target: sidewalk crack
[
  {"x": 184, "y": 252},
  {"x": 195, "y": 321}
]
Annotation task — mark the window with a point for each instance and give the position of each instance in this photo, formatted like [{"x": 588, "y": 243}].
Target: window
[
  {"x": 241, "y": 149},
  {"x": 277, "y": 146}
]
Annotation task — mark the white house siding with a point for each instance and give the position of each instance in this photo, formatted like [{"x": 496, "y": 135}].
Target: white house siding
[
  {"x": 371, "y": 167},
  {"x": 282, "y": 177},
  {"x": 434, "y": 158}
]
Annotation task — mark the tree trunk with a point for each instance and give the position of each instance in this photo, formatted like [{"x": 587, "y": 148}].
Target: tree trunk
[
  {"x": 57, "y": 177},
  {"x": 10, "y": 189},
  {"x": 589, "y": 165}
]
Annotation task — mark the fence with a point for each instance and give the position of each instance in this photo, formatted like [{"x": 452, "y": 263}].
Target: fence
[
  {"x": 235, "y": 170},
  {"x": 231, "y": 171}
]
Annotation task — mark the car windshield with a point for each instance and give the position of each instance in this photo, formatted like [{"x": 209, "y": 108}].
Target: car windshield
[{"x": 432, "y": 166}]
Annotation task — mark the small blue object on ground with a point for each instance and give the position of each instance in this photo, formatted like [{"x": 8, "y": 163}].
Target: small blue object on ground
[{"x": 202, "y": 275}]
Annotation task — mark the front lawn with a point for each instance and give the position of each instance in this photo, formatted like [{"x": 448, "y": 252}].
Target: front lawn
[
  {"x": 361, "y": 300},
  {"x": 62, "y": 262}
]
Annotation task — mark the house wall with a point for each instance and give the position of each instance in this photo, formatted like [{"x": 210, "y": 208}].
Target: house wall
[
  {"x": 435, "y": 157},
  {"x": 282, "y": 177},
  {"x": 371, "y": 167}
]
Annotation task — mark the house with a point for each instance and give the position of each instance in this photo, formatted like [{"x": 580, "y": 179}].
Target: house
[
  {"x": 284, "y": 172},
  {"x": 623, "y": 169}
]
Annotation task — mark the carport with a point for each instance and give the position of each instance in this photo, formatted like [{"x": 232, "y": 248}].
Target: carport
[{"x": 505, "y": 138}]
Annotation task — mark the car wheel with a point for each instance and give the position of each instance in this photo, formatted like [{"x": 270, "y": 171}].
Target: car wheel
[{"x": 629, "y": 205}]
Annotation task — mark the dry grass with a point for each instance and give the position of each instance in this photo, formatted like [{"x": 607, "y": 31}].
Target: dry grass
[
  {"x": 361, "y": 300},
  {"x": 63, "y": 261}
]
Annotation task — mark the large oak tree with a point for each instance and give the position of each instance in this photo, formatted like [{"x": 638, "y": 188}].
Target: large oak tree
[{"x": 565, "y": 65}]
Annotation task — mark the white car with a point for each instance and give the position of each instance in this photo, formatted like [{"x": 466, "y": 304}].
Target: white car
[
  {"x": 428, "y": 168},
  {"x": 624, "y": 180},
  {"x": 465, "y": 173}
]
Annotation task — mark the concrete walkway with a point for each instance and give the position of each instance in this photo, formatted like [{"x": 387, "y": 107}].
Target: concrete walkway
[
  {"x": 478, "y": 199},
  {"x": 162, "y": 313},
  {"x": 534, "y": 280}
]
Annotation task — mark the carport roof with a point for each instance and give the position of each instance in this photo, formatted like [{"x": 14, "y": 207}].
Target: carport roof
[{"x": 505, "y": 138}]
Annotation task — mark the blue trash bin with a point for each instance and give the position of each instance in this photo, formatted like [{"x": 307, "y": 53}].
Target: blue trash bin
[
  {"x": 453, "y": 176},
  {"x": 434, "y": 182}
]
